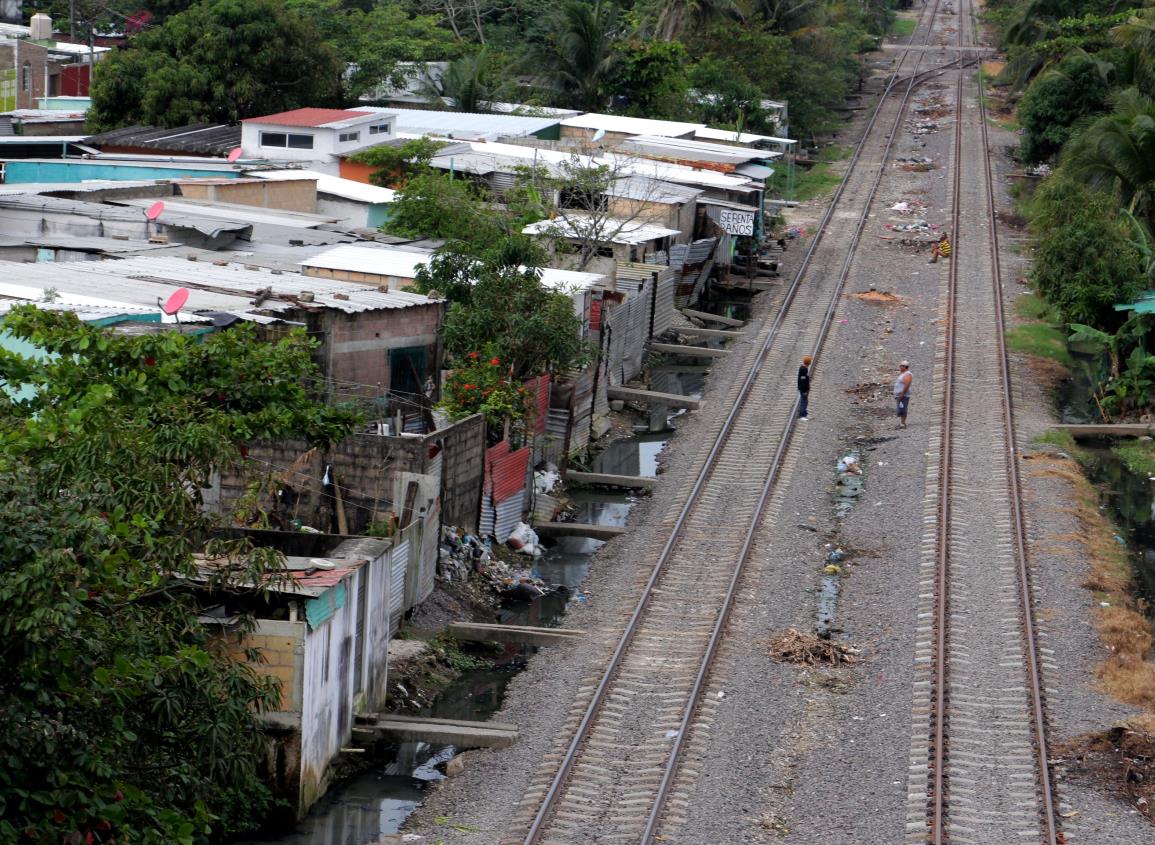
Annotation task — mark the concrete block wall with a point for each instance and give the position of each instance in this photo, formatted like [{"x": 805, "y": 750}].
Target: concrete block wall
[
  {"x": 355, "y": 347},
  {"x": 290, "y": 195},
  {"x": 462, "y": 471},
  {"x": 282, "y": 647}
]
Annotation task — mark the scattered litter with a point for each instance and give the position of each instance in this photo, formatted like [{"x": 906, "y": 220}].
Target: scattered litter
[
  {"x": 1104, "y": 604},
  {"x": 672, "y": 734},
  {"x": 811, "y": 650}
]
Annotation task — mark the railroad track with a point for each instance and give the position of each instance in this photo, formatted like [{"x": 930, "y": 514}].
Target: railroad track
[
  {"x": 979, "y": 771},
  {"x": 615, "y": 774}
]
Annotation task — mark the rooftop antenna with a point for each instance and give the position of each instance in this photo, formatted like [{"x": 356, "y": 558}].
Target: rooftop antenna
[{"x": 174, "y": 303}]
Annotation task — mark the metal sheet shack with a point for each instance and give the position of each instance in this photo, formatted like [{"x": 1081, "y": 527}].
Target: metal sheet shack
[
  {"x": 372, "y": 342},
  {"x": 323, "y": 634}
]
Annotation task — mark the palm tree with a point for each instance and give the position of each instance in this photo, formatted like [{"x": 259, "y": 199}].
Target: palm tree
[
  {"x": 579, "y": 66},
  {"x": 1138, "y": 35},
  {"x": 466, "y": 85},
  {"x": 676, "y": 17},
  {"x": 1116, "y": 153}
]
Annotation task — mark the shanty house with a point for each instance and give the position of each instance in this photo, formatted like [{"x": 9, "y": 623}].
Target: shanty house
[{"x": 319, "y": 136}]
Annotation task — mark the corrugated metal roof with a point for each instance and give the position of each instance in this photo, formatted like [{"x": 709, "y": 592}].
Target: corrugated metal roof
[
  {"x": 727, "y": 135},
  {"x": 623, "y": 231},
  {"x": 210, "y": 138},
  {"x": 231, "y": 288},
  {"x": 332, "y": 185},
  {"x": 653, "y": 190},
  {"x": 120, "y": 213},
  {"x": 632, "y": 125},
  {"x": 465, "y": 124},
  {"x": 250, "y": 214},
  {"x": 488, "y": 157},
  {"x": 311, "y": 117},
  {"x": 378, "y": 260},
  {"x": 691, "y": 150}
]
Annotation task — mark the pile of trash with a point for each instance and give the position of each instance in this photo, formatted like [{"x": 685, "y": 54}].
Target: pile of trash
[
  {"x": 461, "y": 554},
  {"x": 811, "y": 650},
  {"x": 797, "y": 232},
  {"x": 922, "y": 127},
  {"x": 848, "y": 484},
  {"x": 913, "y": 226}
]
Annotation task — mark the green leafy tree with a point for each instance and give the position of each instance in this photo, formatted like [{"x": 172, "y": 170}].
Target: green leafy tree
[
  {"x": 498, "y": 304},
  {"x": 218, "y": 61},
  {"x": 433, "y": 205},
  {"x": 127, "y": 721},
  {"x": 577, "y": 63},
  {"x": 396, "y": 166},
  {"x": 1057, "y": 100},
  {"x": 651, "y": 78},
  {"x": 1085, "y": 261},
  {"x": 377, "y": 41}
]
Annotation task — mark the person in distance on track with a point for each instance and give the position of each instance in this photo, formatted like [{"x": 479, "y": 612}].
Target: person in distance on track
[
  {"x": 902, "y": 386},
  {"x": 804, "y": 387},
  {"x": 941, "y": 248}
]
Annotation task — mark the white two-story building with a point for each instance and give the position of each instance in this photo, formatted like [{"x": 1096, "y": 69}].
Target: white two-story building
[{"x": 318, "y": 137}]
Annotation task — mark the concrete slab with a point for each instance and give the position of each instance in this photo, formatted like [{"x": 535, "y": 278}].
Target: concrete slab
[
  {"x": 693, "y": 351},
  {"x": 697, "y": 332},
  {"x": 524, "y": 634},
  {"x": 1107, "y": 430},
  {"x": 713, "y": 318},
  {"x": 579, "y": 529},
  {"x": 459, "y": 733},
  {"x": 653, "y": 397},
  {"x": 632, "y": 482}
]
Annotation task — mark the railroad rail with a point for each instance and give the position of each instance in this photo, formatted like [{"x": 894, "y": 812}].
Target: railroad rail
[
  {"x": 615, "y": 774},
  {"x": 986, "y": 774}
]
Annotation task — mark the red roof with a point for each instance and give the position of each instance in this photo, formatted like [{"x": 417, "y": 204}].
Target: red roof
[{"x": 308, "y": 117}]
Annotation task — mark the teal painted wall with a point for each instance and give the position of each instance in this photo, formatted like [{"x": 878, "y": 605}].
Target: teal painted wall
[{"x": 17, "y": 172}]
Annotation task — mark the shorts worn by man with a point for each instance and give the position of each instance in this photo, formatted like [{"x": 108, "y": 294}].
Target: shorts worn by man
[{"x": 902, "y": 386}]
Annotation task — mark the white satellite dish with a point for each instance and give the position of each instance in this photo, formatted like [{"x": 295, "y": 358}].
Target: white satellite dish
[{"x": 601, "y": 133}]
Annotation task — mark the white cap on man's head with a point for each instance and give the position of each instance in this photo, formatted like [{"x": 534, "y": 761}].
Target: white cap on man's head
[{"x": 904, "y": 363}]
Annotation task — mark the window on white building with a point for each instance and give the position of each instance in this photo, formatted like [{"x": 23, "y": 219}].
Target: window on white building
[
  {"x": 346, "y": 137},
  {"x": 379, "y": 129},
  {"x": 287, "y": 140},
  {"x": 26, "y": 77}
]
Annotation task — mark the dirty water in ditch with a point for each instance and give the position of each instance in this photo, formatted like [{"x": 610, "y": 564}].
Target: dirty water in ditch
[
  {"x": 1128, "y": 497},
  {"x": 377, "y": 802}
]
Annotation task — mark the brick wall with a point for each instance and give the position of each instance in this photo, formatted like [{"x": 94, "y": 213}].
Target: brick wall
[
  {"x": 462, "y": 471},
  {"x": 282, "y": 645},
  {"x": 290, "y": 195}
]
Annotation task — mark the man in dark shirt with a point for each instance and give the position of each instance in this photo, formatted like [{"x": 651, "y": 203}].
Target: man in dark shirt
[{"x": 804, "y": 387}]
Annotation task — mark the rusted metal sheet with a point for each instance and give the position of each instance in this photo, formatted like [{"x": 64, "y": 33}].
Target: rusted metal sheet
[{"x": 505, "y": 471}]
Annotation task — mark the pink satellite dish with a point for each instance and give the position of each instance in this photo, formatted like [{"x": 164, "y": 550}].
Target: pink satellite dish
[
  {"x": 234, "y": 154},
  {"x": 175, "y": 302},
  {"x": 154, "y": 210}
]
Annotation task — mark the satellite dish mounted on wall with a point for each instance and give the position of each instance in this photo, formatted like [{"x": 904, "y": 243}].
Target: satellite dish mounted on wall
[
  {"x": 601, "y": 133},
  {"x": 155, "y": 210},
  {"x": 234, "y": 154}
]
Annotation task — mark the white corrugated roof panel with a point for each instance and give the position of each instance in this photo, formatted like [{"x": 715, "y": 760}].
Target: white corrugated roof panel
[
  {"x": 332, "y": 185},
  {"x": 377, "y": 260},
  {"x": 556, "y": 279},
  {"x": 631, "y": 125},
  {"x": 233, "y": 288},
  {"x": 682, "y": 148},
  {"x": 613, "y": 230},
  {"x": 465, "y": 124},
  {"x": 230, "y": 211},
  {"x": 729, "y": 135},
  {"x": 489, "y": 157}
]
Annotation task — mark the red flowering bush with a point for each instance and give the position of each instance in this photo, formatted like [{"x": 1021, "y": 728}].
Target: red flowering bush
[{"x": 482, "y": 383}]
